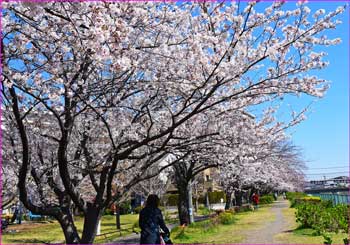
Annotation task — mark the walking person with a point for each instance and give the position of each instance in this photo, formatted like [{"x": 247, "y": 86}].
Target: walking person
[
  {"x": 150, "y": 220},
  {"x": 255, "y": 199}
]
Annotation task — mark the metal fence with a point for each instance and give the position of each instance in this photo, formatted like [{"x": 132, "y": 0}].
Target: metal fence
[{"x": 335, "y": 197}]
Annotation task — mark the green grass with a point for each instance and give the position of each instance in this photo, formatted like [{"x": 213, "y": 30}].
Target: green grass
[
  {"x": 51, "y": 232},
  {"x": 303, "y": 236},
  {"x": 205, "y": 232}
]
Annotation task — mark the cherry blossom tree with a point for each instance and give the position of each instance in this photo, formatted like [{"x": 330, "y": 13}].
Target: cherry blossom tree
[
  {"x": 100, "y": 90},
  {"x": 278, "y": 168}
]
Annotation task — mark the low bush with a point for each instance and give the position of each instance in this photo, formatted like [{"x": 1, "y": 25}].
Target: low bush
[
  {"x": 203, "y": 210},
  {"x": 266, "y": 199},
  {"x": 322, "y": 216},
  {"x": 309, "y": 199},
  {"x": 226, "y": 218}
]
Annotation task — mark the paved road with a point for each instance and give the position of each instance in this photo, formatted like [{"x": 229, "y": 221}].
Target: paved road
[{"x": 265, "y": 234}]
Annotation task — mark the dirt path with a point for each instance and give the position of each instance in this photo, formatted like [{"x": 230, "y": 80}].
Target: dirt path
[{"x": 265, "y": 234}]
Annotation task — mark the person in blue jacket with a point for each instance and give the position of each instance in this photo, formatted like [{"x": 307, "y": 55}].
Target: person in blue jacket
[{"x": 150, "y": 220}]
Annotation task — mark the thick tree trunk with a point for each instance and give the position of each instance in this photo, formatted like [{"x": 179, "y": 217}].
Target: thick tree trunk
[
  {"x": 71, "y": 234},
  {"x": 238, "y": 198},
  {"x": 91, "y": 220},
  {"x": 228, "y": 204},
  {"x": 183, "y": 201}
]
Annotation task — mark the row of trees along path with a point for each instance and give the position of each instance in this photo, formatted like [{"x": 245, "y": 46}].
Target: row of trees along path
[{"x": 96, "y": 95}]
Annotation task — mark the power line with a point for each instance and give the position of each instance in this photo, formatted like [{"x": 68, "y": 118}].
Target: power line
[
  {"x": 328, "y": 168},
  {"x": 339, "y": 166},
  {"x": 330, "y": 173}
]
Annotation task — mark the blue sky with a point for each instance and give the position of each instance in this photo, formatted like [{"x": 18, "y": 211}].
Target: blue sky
[{"x": 324, "y": 136}]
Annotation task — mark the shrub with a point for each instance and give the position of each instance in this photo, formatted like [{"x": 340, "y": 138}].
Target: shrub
[
  {"x": 291, "y": 196},
  {"x": 226, "y": 218},
  {"x": 203, "y": 210},
  {"x": 311, "y": 199},
  {"x": 266, "y": 199},
  {"x": 322, "y": 217}
]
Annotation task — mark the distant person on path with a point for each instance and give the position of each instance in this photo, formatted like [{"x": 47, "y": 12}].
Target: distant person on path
[
  {"x": 284, "y": 196},
  {"x": 255, "y": 199},
  {"x": 275, "y": 196},
  {"x": 150, "y": 220}
]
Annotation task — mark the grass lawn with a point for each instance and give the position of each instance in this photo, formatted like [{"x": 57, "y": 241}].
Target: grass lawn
[
  {"x": 50, "y": 232},
  {"x": 205, "y": 232},
  {"x": 303, "y": 236}
]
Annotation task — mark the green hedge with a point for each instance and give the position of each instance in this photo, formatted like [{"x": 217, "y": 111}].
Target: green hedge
[
  {"x": 266, "y": 199},
  {"x": 171, "y": 199},
  {"x": 215, "y": 196},
  {"x": 292, "y": 196},
  {"x": 322, "y": 216}
]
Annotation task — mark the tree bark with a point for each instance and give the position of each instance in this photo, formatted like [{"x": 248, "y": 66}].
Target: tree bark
[
  {"x": 91, "y": 219},
  {"x": 183, "y": 201},
  {"x": 228, "y": 204},
  {"x": 238, "y": 198},
  {"x": 71, "y": 234}
]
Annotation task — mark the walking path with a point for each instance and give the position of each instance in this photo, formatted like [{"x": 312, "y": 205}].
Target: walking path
[
  {"x": 261, "y": 234},
  {"x": 265, "y": 234},
  {"x": 135, "y": 238}
]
